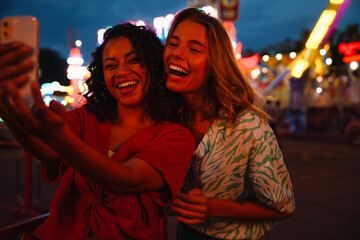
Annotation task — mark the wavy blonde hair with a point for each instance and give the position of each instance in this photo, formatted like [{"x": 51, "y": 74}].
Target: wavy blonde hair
[{"x": 229, "y": 90}]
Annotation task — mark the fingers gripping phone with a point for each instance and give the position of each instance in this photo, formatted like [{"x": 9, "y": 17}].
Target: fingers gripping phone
[{"x": 26, "y": 30}]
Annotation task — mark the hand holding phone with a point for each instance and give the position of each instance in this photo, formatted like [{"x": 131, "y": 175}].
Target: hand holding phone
[{"x": 24, "y": 29}]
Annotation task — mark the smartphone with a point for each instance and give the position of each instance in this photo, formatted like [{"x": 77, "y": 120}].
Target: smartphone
[{"x": 26, "y": 30}]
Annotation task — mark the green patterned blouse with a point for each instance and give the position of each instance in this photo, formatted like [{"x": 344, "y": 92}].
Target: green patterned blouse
[{"x": 244, "y": 161}]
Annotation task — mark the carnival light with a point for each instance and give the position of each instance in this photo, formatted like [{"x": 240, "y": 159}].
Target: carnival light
[
  {"x": 140, "y": 23},
  {"x": 319, "y": 79},
  {"x": 78, "y": 43},
  {"x": 322, "y": 52},
  {"x": 320, "y": 29},
  {"x": 354, "y": 65},
  {"x": 299, "y": 68},
  {"x": 76, "y": 72},
  {"x": 293, "y": 55},
  {"x": 75, "y": 57},
  {"x": 278, "y": 56},
  {"x": 336, "y": 1},
  {"x": 64, "y": 102},
  {"x": 328, "y": 61},
  {"x": 210, "y": 10},
  {"x": 319, "y": 90},
  {"x": 167, "y": 21},
  {"x": 100, "y": 36},
  {"x": 158, "y": 24},
  {"x": 265, "y": 58},
  {"x": 255, "y": 73}
]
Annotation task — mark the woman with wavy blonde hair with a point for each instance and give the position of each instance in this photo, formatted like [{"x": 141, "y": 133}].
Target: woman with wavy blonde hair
[{"x": 237, "y": 184}]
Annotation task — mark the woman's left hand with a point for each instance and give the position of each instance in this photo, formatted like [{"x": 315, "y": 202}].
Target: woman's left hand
[{"x": 191, "y": 206}]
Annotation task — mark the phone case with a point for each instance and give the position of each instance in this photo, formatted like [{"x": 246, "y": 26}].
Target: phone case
[{"x": 26, "y": 30}]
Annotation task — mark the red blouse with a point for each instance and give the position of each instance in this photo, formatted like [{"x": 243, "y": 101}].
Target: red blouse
[{"x": 81, "y": 208}]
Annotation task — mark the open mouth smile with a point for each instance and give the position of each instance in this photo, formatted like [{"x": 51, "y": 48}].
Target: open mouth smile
[
  {"x": 177, "y": 72},
  {"x": 127, "y": 84}
]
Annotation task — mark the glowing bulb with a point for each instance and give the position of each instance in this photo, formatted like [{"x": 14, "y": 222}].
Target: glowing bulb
[
  {"x": 354, "y": 65},
  {"x": 266, "y": 58},
  {"x": 322, "y": 52},
  {"x": 319, "y": 90},
  {"x": 328, "y": 61},
  {"x": 278, "y": 56},
  {"x": 78, "y": 43},
  {"x": 293, "y": 55}
]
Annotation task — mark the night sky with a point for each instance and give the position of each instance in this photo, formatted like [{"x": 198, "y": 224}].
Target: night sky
[{"x": 261, "y": 22}]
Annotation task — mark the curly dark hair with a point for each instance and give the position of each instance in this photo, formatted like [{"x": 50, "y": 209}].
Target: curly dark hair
[{"x": 160, "y": 104}]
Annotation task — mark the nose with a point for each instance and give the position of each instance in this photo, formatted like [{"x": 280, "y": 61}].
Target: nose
[
  {"x": 123, "y": 69},
  {"x": 180, "y": 52}
]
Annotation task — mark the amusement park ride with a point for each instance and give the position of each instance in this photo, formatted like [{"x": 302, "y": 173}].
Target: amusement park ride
[{"x": 318, "y": 38}]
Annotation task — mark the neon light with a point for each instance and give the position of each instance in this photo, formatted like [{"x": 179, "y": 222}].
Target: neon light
[
  {"x": 299, "y": 68},
  {"x": 336, "y": 1},
  {"x": 353, "y": 58},
  {"x": 100, "y": 36},
  {"x": 351, "y": 51},
  {"x": 320, "y": 29},
  {"x": 158, "y": 23},
  {"x": 349, "y": 48},
  {"x": 167, "y": 22}
]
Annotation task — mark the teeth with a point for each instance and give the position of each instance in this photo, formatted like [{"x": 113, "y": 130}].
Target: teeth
[
  {"x": 179, "y": 69},
  {"x": 126, "y": 84}
]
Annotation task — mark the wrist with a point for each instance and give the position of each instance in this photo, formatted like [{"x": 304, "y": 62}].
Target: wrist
[{"x": 210, "y": 210}]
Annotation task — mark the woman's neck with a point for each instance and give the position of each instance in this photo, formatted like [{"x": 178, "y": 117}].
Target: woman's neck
[{"x": 132, "y": 118}]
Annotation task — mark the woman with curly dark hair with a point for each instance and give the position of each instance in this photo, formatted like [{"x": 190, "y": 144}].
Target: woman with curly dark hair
[
  {"x": 120, "y": 159},
  {"x": 159, "y": 103}
]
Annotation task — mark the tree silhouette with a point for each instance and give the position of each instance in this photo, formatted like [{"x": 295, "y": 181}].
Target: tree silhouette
[{"x": 52, "y": 67}]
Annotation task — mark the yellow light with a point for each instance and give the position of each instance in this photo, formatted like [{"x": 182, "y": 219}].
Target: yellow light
[
  {"x": 320, "y": 29},
  {"x": 299, "y": 68},
  {"x": 69, "y": 99},
  {"x": 336, "y": 1}
]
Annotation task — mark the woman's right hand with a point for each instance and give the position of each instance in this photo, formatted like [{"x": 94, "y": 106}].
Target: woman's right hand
[{"x": 13, "y": 63}]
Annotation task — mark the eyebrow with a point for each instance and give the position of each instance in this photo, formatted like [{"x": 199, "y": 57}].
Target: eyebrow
[
  {"x": 126, "y": 55},
  {"x": 191, "y": 41}
]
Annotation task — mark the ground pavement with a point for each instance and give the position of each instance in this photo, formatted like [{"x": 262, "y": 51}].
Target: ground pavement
[{"x": 325, "y": 176}]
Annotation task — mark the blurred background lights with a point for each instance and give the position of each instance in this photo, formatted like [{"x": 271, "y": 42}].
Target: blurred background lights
[
  {"x": 293, "y": 55},
  {"x": 266, "y": 58},
  {"x": 255, "y": 73},
  {"x": 336, "y": 1},
  {"x": 319, "y": 90},
  {"x": 354, "y": 65},
  {"x": 328, "y": 61},
  {"x": 278, "y": 56},
  {"x": 167, "y": 21},
  {"x": 78, "y": 43},
  {"x": 319, "y": 79},
  {"x": 210, "y": 10},
  {"x": 140, "y": 23},
  {"x": 100, "y": 36},
  {"x": 322, "y": 52}
]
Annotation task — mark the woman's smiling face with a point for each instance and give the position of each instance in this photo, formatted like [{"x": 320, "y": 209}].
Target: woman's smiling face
[
  {"x": 186, "y": 59},
  {"x": 125, "y": 78}
]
